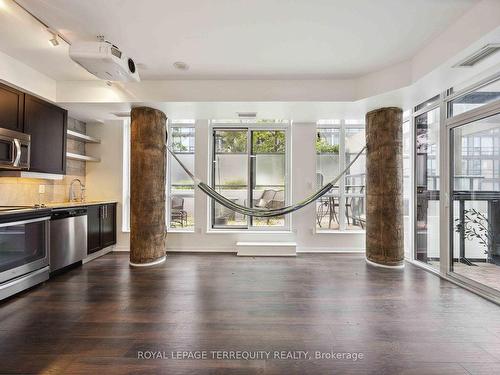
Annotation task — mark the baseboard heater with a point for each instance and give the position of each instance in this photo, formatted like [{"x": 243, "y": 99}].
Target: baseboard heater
[{"x": 266, "y": 249}]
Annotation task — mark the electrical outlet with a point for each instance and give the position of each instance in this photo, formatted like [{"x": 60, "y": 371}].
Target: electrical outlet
[{"x": 41, "y": 189}]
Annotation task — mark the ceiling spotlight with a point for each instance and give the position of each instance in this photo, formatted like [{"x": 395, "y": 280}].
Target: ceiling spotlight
[
  {"x": 181, "y": 65},
  {"x": 54, "y": 41}
]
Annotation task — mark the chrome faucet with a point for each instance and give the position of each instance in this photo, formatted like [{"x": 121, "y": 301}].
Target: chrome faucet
[{"x": 72, "y": 195}]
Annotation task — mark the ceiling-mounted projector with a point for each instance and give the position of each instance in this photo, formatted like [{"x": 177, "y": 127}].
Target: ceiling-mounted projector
[{"x": 104, "y": 60}]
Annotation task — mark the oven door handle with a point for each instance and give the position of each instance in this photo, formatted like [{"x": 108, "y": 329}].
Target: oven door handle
[
  {"x": 29, "y": 221},
  {"x": 17, "y": 154}
]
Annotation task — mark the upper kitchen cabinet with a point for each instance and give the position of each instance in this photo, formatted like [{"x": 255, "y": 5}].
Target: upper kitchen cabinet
[
  {"x": 11, "y": 108},
  {"x": 47, "y": 124}
]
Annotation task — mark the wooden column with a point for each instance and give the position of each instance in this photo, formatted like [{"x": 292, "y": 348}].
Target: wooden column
[
  {"x": 384, "y": 187},
  {"x": 147, "y": 187}
]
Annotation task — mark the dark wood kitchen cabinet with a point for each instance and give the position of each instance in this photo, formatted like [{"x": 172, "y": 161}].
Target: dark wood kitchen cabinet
[
  {"x": 108, "y": 225},
  {"x": 47, "y": 124},
  {"x": 11, "y": 108},
  {"x": 101, "y": 226},
  {"x": 93, "y": 229}
]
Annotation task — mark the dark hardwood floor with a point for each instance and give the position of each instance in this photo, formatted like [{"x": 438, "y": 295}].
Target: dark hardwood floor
[{"x": 97, "y": 318}]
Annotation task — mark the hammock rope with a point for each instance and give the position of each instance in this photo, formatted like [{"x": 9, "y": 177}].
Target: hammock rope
[{"x": 263, "y": 212}]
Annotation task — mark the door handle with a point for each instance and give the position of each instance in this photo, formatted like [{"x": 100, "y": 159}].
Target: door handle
[{"x": 17, "y": 158}]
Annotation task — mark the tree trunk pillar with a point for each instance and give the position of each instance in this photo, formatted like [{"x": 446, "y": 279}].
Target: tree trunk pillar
[
  {"x": 147, "y": 187},
  {"x": 384, "y": 188}
]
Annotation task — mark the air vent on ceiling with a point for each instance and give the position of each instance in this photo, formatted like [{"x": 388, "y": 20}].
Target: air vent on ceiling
[
  {"x": 478, "y": 56},
  {"x": 247, "y": 114}
]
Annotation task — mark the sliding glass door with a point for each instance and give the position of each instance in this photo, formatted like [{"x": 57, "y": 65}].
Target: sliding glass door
[
  {"x": 475, "y": 212},
  {"x": 180, "y": 214},
  {"x": 249, "y": 167},
  {"x": 267, "y": 165},
  {"x": 230, "y": 175},
  {"x": 427, "y": 180}
]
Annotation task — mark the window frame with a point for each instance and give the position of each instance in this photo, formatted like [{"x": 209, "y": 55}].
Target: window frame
[
  {"x": 342, "y": 125},
  {"x": 191, "y": 124},
  {"x": 249, "y": 126}
]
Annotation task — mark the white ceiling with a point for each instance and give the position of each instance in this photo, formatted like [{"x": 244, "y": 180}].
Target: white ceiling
[
  {"x": 25, "y": 39},
  {"x": 242, "y": 39}
]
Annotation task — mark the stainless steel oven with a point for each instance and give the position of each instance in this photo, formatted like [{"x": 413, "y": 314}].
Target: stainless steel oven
[
  {"x": 14, "y": 149},
  {"x": 24, "y": 250}
]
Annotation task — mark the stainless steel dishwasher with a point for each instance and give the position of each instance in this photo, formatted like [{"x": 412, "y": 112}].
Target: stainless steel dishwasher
[{"x": 68, "y": 237}]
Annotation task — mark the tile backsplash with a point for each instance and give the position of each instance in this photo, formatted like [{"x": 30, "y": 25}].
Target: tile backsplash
[{"x": 25, "y": 191}]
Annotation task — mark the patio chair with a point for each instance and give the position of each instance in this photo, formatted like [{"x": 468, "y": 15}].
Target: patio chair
[
  {"x": 177, "y": 212},
  {"x": 356, "y": 204},
  {"x": 266, "y": 199},
  {"x": 278, "y": 200},
  {"x": 325, "y": 205}
]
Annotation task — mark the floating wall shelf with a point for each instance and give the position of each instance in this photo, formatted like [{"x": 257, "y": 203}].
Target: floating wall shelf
[
  {"x": 73, "y": 156},
  {"x": 82, "y": 137}
]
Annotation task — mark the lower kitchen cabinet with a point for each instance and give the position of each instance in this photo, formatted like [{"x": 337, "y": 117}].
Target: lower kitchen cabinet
[
  {"x": 108, "y": 225},
  {"x": 101, "y": 226},
  {"x": 93, "y": 229}
]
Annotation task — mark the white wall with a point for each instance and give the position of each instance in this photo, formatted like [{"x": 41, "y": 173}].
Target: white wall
[
  {"x": 15, "y": 73},
  {"x": 104, "y": 179},
  {"x": 105, "y": 182}
]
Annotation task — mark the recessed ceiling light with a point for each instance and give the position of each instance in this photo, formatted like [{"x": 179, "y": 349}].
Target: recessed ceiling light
[{"x": 181, "y": 65}]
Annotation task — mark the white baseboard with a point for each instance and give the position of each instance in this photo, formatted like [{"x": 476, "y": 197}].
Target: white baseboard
[
  {"x": 384, "y": 266},
  {"x": 303, "y": 250},
  {"x": 98, "y": 254},
  {"x": 201, "y": 250},
  {"x": 325, "y": 250},
  {"x": 266, "y": 249},
  {"x": 153, "y": 263}
]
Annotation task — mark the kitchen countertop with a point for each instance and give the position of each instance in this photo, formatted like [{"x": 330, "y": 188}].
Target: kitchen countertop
[
  {"x": 24, "y": 214},
  {"x": 28, "y": 212},
  {"x": 77, "y": 204}
]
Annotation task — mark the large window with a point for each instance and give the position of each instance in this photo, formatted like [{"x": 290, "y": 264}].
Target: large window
[
  {"x": 181, "y": 188},
  {"x": 455, "y": 184},
  {"x": 427, "y": 180},
  {"x": 477, "y": 98},
  {"x": 407, "y": 181},
  {"x": 475, "y": 226},
  {"x": 337, "y": 143},
  {"x": 249, "y": 167}
]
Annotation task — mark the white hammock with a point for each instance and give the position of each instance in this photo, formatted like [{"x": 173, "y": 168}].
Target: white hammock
[{"x": 263, "y": 212}]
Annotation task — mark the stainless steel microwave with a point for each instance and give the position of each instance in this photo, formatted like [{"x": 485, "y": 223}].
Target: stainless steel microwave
[{"x": 14, "y": 150}]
